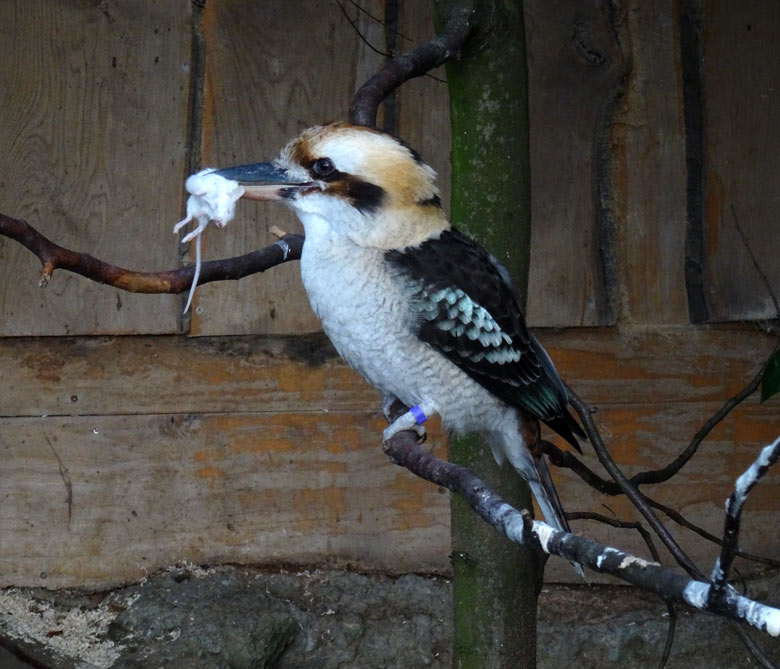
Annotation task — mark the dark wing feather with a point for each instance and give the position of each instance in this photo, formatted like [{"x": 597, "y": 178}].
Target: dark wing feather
[{"x": 467, "y": 308}]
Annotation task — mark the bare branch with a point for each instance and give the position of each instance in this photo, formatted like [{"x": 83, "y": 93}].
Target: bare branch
[
  {"x": 411, "y": 64},
  {"x": 53, "y": 256},
  {"x": 756, "y": 265},
  {"x": 628, "y": 488},
  {"x": 662, "y": 475},
  {"x": 520, "y": 527},
  {"x": 734, "y": 505}
]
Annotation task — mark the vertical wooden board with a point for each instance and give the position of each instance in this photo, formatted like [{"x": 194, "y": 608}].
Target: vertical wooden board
[
  {"x": 576, "y": 68},
  {"x": 649, "y": 171},
  {"x": 272, "y": 69},
  {"x": 740, "y": 80},
  {"x": 423, "y": 103},
  {"x": 98, "y": 500},
  {"x": 93, "y": 130}
]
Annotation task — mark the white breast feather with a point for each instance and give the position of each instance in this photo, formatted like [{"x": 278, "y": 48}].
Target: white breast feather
[{"x": 365, "y": 312}]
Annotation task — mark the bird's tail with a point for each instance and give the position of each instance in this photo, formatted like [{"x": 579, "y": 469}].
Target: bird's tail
[{"x": 532, "y": 465}]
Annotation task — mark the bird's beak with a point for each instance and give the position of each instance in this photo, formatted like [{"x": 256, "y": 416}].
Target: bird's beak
[{"x": 263, "y": 181}]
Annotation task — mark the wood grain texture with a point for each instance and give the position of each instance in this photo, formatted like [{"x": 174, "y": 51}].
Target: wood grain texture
[
  {"x": 423, "y": 103},
  {"x": 272, "y": 69},
  {"x": 265, "y": 450},
  {"x": 118, "y": 375},
  {"x": 576, "y": 68},
  {"x": 101, "y": 500},
  {"x": 740, "y": 79},
  {"x": 93, "y": 128},
  {"x": 648, "y": 170}
]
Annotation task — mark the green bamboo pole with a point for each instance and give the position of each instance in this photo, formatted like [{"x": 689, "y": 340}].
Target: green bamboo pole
[{"x": 496, "y": 583}]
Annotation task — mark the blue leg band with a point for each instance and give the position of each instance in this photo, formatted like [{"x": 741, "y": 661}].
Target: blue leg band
[{"x": 418, "y": 414}]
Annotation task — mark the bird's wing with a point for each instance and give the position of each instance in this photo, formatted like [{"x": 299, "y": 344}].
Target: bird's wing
[{"x": 465, "y": 306}]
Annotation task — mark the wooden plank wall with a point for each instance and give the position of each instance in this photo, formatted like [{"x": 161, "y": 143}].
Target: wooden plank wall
[
  {"x": 251, "y": 442},
  {"x": 740, "y": 82},
  {"x": 94, "y": 138}
]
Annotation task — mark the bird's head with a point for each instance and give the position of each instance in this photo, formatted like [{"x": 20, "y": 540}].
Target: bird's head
[{"x": 351, "y": 181}]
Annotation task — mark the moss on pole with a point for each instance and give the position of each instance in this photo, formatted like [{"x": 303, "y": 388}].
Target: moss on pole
[{"x": 496, "y": 583}]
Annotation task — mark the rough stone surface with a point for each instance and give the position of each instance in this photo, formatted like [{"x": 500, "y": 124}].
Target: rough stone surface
[{"x": 238, "y": 618}]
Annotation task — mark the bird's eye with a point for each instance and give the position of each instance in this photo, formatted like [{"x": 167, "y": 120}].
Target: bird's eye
[{"x": 323, "y": 167}]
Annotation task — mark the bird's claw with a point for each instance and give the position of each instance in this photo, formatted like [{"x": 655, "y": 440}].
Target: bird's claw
[{"x": 392, "y": 430}]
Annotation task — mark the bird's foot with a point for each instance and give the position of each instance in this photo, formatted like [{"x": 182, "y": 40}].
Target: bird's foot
[
  {"x": 411, "y": 420},
  {"x": 389, "y": 433}
]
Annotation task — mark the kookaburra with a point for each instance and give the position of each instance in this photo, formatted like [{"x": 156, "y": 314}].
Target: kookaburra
[{"x": 424, "y": 313}]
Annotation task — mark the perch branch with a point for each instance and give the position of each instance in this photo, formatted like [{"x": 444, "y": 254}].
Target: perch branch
[
  {"x": 520, "y": 527},
  {"x": 53, "y": 256},
  {"x": 648, "y": 539},
  {"x": 414, "y": 63}
]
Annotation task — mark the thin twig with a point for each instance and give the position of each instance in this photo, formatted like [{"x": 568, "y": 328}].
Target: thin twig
[
  {"x": 567, "y": 460},
  {"x": 754, "y": 260},
  {"x": 620, "y": 524},
  {"x": 667, "y": 472},
  {"x": 664, "y": 474},
  {"x": 677, "y": 517},
  {"x": 636, "y": 498},
  {"x": 363, "y": 38},
  {"x": 648, "y": 539}
]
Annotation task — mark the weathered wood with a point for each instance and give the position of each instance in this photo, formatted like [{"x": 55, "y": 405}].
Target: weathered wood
[
  {"x": 98, "y": 500},
  {"x": 423, "y": 112},
  {"x": 648, "y": 169},
  {"x": 275, "y": 435},
  {"x": 232, "y": 375},
  {"x": 261, "y": 90},
  {"x": 576, "y": 69},
  {"x": 94, "y": 137},
  {"x": 740, "y": 80}
]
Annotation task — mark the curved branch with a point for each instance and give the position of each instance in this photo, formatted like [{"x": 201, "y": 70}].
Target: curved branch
[
  {"x": 415, "y": 63},
  {"x": 667, "y": 472},
  {"x": 53, "y": 256},
  {"x": 520, "y": 527}
]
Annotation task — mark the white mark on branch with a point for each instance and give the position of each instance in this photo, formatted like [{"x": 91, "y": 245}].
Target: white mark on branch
[
  {"x": 285, "y": 248},
  {"x": 760, "y": 616},
  {"x": 717, "y": 570},
  {"x": 754, "y": 613},
  {"x": 605, "y": 554},
  {"x": 696, "y": 594},
  {"x": 629, "y": 560},
  {"x": 753, "y": 474}
]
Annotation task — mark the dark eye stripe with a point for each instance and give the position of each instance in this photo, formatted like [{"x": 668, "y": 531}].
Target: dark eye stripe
[{"x": 364, "y": 196}]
